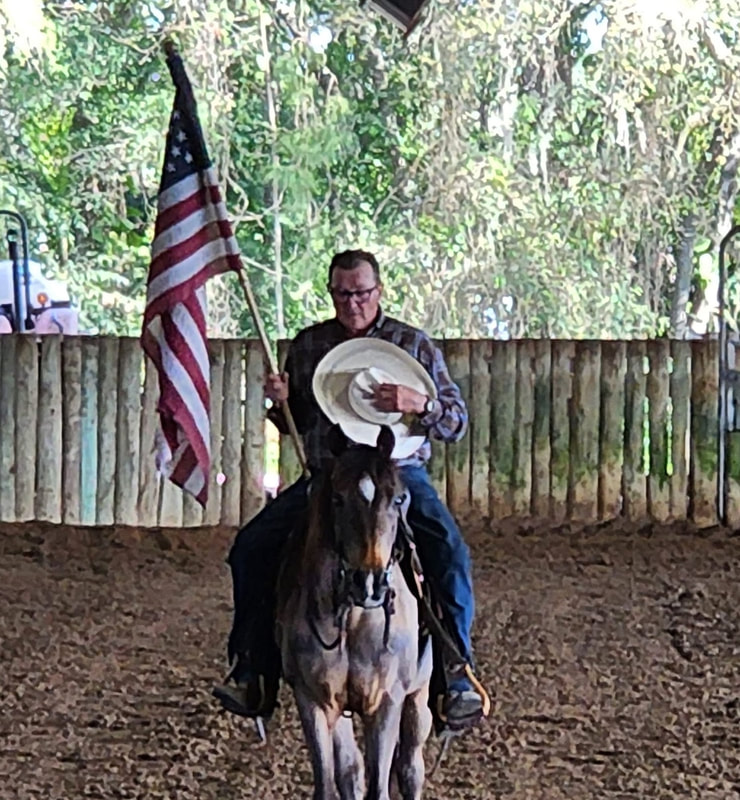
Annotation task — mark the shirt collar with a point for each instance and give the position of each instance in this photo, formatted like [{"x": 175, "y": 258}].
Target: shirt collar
[{"x": 379, "y": 322}]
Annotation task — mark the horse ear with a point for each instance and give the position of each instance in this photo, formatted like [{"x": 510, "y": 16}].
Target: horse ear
[
  {"x": 386, "y": 442},
  {"x": 336, "y": 441}
]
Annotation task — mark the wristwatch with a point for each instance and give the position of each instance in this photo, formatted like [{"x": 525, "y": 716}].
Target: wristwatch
[{"x": 429, "y": 406}]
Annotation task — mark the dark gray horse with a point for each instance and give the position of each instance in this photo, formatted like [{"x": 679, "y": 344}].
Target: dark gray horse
[{"x": 348, "y": 629}]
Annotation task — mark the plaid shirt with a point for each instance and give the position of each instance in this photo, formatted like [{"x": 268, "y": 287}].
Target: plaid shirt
[{"x": 447, "y": 422}]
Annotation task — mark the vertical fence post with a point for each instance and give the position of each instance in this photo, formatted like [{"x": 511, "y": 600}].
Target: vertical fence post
[
  {"x": 541, "y": 451},
  {"x": 71, "y": 429},
  {"x": 563, "y": 354},
  {"x": 704, "y": 394},
  {"x": 48, "y": 501},
  {"x": 680, "y": 389},
  {"x": 521, "y": 489},
  {"x": 480, "y": 423},
  {"x": 253, "y": 445},
  {"x": 26, "y": 423},
  {"x": 611, "y": 429},
  {"x": 634, "y": 483},
  {"x": 7, "y": 427},
  {"x": 659, "y": 501}
]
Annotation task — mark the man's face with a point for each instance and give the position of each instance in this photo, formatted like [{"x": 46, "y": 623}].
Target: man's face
[{"x": 356, "y": 296}]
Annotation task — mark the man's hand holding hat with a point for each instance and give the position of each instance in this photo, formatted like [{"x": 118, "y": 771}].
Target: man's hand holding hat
[{"x": 396, "y": 397}]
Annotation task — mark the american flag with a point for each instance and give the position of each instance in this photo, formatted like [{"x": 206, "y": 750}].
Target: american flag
[{"x": 192, "y": 241}]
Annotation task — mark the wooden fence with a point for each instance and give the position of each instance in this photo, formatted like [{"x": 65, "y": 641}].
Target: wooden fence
[{"x": 584, "y": 430}]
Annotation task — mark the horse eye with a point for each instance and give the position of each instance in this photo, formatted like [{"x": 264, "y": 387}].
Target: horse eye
[{"x": 400, "y": 499}]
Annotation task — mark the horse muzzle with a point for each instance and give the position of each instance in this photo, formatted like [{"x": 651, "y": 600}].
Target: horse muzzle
[{"x": 368, "y": 588}]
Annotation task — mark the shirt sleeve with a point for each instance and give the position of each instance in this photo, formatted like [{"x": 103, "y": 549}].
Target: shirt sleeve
[{"x": 448, "y": 421}]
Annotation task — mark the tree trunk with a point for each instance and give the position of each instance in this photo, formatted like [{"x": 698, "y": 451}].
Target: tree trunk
[
  {"x": 708, "y": 304},
  {"x": 684, "y": 274},
  {"x": 274, "y": 193}
]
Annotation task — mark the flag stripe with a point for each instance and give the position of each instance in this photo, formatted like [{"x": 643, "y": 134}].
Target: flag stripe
[
  {"x": 178, "y": 193},
  {"x": 188, "y": 246},
  {"x": 180, "y": 292},
  {"x": 204, "y": 200},
  {"x": 179, "y": 272}
]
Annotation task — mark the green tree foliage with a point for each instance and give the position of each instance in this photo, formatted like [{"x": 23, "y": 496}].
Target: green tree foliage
[{"x": 520, "y": 168}]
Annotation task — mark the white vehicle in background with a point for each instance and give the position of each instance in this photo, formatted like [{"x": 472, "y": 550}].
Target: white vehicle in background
[{"x": 29, "y": 301}]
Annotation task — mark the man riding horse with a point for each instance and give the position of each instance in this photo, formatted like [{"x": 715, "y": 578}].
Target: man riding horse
[{"x": 356, "y": 289}]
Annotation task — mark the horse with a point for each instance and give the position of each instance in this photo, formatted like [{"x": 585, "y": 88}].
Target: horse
[{"x": 347, "y": 624}]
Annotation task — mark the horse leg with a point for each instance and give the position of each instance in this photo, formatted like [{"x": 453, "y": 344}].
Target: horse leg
[
  {"x": 348, "y": 765},
  {"x": 416, "y": 725},
  {"x": 318, "y": 735},
  {"x": 381, "y": 738}
]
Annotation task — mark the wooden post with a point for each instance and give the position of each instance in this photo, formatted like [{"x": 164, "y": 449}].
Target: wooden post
[
  {"x": 26, "y": 406},
  {"x": 503, "y": 410},
  {"x": 457, "y": 355},
  {"x": 563, "y": 354},
  {"x": 232, "y": 431},
  {"x": 253, "y": 443},
  {"x": 541, "y": 451},
  {"x": 48, "y": 505},
  {"x": 149, "y": 480},
  {"x": 611, "y": 429},
  {"x": 680, "y": 388},
  {"x": 584, "y": 434},
  {"x": 170, "y": 503},
  {"x": 107, "y": 425},
  {"x": 212, "y": 513},
  {"x": 634, "y": 483},
  {"x": 733, "y": 479},
  {"x": 71, "y": 429},
  {"x": 704, "y": 394},
  {"x": 7, "y": 427},
  {"x": 659, "y": 501},
  {"x": 480, "y": 423},
  {"x": 521, "y": 488},
  {"x": 89, "y": 430},
  {"x": 192, "y": 511},
  {"x": 128, "y": 439}
]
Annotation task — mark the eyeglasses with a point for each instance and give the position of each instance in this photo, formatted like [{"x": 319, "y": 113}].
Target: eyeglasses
[{"x": 345, "y": 295}]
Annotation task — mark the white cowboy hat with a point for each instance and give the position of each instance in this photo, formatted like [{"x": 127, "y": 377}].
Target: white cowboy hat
[{"x": 343, "y": 384}]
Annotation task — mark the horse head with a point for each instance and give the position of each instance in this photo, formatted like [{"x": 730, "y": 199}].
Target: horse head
[{"x": 366, "y": 503}]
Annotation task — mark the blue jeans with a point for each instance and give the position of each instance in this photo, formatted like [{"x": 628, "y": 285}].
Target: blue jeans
[{"x": 255, "y": 562}]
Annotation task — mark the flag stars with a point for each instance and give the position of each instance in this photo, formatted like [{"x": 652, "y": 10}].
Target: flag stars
[
  {"x": 171, "y": 167},
  {"x": 182, "y": 136},
  {"x": 188, "y": 156},
  {"x": 175, "y": 151}
]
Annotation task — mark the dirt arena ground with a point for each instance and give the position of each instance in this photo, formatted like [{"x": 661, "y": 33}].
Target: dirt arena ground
[{"x": 614, "y": 652}]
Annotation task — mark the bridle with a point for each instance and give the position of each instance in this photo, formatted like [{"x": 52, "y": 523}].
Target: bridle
[{"x": 346, "y": 579}]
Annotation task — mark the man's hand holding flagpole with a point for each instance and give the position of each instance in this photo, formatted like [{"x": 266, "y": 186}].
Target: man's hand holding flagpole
[{"x": 193, "y": 241}]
